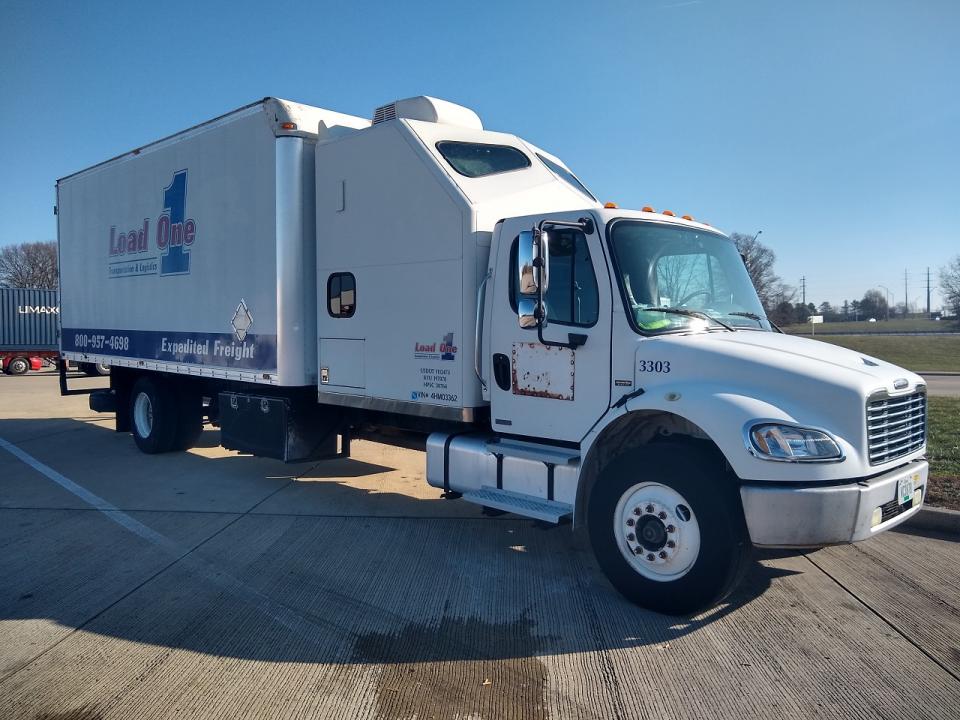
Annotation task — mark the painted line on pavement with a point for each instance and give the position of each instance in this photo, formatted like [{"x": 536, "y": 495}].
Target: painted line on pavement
[{"x": 307, "y": 629}]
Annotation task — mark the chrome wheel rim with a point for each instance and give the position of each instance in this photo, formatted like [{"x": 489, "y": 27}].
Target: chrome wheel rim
[
  {"x": 657, "y": 531},
  {"x": 143, "y": 415}
]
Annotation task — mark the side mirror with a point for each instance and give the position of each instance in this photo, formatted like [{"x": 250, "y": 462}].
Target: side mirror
[
  {"x": 527, "y": 284},
  {"x": 533, "y": 259},
  {"x": 527, "y": 313}
]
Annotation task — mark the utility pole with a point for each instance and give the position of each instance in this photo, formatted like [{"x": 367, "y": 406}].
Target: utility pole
[
  {"x": 803, "y": 288},
  {"x": 906, "y": 300},
  {"x": 928, "y": 292},
  {"x": 886, "y": 299}
]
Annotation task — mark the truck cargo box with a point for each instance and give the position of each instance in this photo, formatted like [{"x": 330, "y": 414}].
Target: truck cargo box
[
  {"x": 196, "y": 254},
  {"x": 29, "y": 320}
]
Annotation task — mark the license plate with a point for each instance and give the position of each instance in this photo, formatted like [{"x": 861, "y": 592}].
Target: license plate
[{"x": 904, "y": 490}]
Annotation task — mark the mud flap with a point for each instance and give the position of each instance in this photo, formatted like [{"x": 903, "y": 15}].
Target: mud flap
[{"x": 277, "y": 427}]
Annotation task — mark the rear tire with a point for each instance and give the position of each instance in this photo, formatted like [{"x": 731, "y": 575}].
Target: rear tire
[
  {"x": 18, "y": 366},
  {"x": 153, "y": 415},
  {"x": 667, "y": 528}
]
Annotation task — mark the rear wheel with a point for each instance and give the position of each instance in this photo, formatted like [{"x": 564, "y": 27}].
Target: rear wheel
[
  {"x": 153, "y": 415},
  {"x": 667, "y": 529},
  {"x": 18, "y": 366}
]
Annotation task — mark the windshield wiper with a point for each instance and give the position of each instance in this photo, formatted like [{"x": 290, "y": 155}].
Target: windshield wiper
[
  {"x": 690, "y": 313},
  {"x": 751, "y": 316}
]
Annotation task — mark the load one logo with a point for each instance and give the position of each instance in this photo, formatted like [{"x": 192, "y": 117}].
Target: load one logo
[
  {"x": 174, "y": 235},
  {"x": 446, "y": 350}
]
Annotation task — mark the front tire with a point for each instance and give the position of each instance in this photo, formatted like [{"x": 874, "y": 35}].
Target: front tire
[
  {"x": 18, "y": 366},
  {"x": 153, "y": 415},
  {"x": 667, "y": 528}
]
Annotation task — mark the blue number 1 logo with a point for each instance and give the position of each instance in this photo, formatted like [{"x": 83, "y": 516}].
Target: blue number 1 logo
[{"x": 170, "y": 234}]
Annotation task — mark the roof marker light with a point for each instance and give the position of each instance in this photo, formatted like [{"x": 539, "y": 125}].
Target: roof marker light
[
  {"x": 647, "y": 208},
  {"x": 610, "y": 205},
  {"x": 687, "y": 217},
  {"x": 289, "y": 126},
  {"x": 668, "y": 212}
]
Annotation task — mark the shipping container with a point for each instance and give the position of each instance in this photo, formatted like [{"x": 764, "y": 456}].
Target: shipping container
[{"x": 29, "y": 320}]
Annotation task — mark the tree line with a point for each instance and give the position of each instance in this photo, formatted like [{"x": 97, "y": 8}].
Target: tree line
[
  {"x": 29, "y": 265},
  {"x": 779, "y": 298}
]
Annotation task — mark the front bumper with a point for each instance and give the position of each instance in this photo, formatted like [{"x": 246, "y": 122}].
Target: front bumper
[{"x": 781, "y": 515}]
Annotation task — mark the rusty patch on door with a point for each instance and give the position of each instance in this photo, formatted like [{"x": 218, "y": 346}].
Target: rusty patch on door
[{"x": 542, "y": 371}]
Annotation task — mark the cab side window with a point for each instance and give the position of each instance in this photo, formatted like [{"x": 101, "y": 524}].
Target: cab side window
[{"x": 572, "y": 297}]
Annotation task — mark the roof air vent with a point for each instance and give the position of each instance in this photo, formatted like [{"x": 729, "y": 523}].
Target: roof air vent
[
  {"x": 384, "y": 113},
  {"x": 428, "y": 109}
]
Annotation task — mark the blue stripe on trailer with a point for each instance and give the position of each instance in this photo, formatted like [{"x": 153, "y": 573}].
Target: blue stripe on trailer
[{"x": 254, "y": 352}]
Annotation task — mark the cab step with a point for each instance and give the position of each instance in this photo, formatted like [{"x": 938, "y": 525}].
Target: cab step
[
  {"x": 534, "y": 451},
  {"x": 519, "y": 504}
]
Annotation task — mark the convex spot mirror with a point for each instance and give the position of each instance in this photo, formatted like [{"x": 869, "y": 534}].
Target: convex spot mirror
[{"x": 527, "y": 312}]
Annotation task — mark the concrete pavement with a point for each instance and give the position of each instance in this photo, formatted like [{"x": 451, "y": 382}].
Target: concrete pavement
[{"x": 210, "y": 584}]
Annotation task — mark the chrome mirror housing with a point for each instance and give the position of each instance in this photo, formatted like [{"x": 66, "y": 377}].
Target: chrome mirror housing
[
  {"x": 541, "y": 261},
  {"x": 527, "y": 313},
  {"x": 527, "y": 282}
]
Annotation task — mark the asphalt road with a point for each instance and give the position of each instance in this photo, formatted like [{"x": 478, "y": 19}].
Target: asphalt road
[
  {"x": 943, "y": 385},
  {"x": 212, "y": 585}
]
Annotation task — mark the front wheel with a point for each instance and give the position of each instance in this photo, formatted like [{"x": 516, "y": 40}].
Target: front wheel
[
  {"x": 18, "y": 366},
  {"x": 667, "y": 529}
]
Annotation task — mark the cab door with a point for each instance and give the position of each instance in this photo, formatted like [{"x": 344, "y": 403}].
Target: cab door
[{"x": 538, "y": 389}]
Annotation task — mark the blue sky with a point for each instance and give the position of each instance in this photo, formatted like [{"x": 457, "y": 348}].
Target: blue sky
[{"x": 832, "y": 126}]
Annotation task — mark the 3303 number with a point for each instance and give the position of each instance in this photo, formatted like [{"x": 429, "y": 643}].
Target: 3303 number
[{"x": 653, "y": 366}]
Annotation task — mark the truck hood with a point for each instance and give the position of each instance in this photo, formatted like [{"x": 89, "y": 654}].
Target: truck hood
[
  {"x": 798, "y": 368},
  {"x": 803, "y": 358}
]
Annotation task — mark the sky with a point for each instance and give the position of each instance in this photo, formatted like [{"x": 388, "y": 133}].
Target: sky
[{"x": 833, "y": 127}]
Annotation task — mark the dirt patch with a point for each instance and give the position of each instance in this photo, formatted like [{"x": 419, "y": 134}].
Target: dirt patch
[{"x": 463, "y": 668}]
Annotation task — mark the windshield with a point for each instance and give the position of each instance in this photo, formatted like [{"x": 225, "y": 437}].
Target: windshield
[{"x": 683, "y": 269}]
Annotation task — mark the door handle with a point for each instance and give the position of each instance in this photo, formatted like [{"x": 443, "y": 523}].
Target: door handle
[{"x": 501, "y": 371}]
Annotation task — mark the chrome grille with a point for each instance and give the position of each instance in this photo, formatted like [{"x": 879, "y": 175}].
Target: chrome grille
[{"x": 896, "y": 426}]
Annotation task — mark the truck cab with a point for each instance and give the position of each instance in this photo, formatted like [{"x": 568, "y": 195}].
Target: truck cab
[{"x": 634, "y": 343}]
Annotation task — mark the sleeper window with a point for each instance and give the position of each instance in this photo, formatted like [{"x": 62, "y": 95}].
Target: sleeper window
[
  {"x": 341, "y": 295},
  {"x": 480, "y": 159}
]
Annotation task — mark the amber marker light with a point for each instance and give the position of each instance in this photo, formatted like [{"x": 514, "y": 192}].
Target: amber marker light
[
  {"x": 668, "y": 212},
  {"x": 687, "y": 217},
  {"x": 610, "y": 206},
  {"x": 289, "y": 126},
  {"x": 647, "y": 208}
]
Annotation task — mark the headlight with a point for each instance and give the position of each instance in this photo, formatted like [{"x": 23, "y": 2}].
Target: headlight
[{"x": 771, "y": 441}]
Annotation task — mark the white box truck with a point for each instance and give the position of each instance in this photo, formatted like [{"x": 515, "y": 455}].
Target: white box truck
[{"x": 300, "y": 276}]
